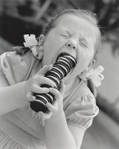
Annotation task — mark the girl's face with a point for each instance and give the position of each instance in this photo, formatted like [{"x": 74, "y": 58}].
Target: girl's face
[{"x": 73, "y": 35}]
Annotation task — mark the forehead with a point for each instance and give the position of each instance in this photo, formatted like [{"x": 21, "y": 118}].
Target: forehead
[{"x": 77, "y": 25}]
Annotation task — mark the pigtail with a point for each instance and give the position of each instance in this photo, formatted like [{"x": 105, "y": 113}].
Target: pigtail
[{"x": 21, "y": 50}]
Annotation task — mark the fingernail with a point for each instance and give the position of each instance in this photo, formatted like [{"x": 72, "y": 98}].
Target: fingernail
[
  {"x": 33, "y": 98},
  {"x": 50, "y": 65}
]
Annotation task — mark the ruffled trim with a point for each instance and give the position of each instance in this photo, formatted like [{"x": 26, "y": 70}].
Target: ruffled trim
[
  {"x": 26, "y": 109},
  {"x": 8, "y": 143}
]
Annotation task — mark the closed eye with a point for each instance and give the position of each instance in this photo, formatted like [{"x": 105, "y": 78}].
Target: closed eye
[
  {"x": 83, "y": 43},
  {"x": 66, "y": 34}
]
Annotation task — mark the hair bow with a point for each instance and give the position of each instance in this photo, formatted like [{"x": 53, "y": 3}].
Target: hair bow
[
  {"x": 32, "y": 43},
  {"x": 95, "y": 75}
]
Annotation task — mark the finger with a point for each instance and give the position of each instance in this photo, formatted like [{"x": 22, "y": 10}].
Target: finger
[
  {"x": 30, "y": 96},
  {"x": 47, "y": 81},
  {"x": 44, "y": 69},
  {"x": 55, "y": 92},
  {"x": 52, "y": 108},
  {"x": 37, "y": 89}
]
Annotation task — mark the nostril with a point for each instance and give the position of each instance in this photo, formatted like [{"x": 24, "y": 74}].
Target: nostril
[{"x": 71, "y": 45}]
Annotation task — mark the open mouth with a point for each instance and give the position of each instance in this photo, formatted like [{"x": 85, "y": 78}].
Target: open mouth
[
  {"x": 65, "y": 62},
  {"x": 64, "y": 54},
  {"x": 68, "y": 57}
]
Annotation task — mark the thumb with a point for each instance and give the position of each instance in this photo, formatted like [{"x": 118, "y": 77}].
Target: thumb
[{"x": 44, "y": 69}]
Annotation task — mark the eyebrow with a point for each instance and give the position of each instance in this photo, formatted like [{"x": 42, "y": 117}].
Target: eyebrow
[{"x": 62, "y": 28}]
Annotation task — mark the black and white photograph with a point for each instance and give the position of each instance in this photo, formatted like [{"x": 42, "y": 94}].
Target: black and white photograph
[{"x": 59, "y": 74}]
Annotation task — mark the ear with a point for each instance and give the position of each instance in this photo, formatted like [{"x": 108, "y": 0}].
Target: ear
[
  {"x": 41, "y": 39},
  {"x": 92, "y": 63}
]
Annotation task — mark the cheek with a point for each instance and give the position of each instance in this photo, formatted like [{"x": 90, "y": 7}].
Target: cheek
[
  {"x": 85, "y": 56},
  {"x": 51, "y": 48},
  {"x": 54, "y": 44},
  {"x": 51, "y": 42}
]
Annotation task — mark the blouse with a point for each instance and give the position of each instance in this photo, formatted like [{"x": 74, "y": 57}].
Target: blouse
[{"x": 22, "y": 128}]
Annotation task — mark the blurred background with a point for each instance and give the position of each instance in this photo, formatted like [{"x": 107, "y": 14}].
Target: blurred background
[{"x": 19, "y": 17}]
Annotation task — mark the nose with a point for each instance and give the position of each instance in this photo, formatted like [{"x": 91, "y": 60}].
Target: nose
[
  {"x": 72, "y": 44},
  {"x": 72, "y": 47}
]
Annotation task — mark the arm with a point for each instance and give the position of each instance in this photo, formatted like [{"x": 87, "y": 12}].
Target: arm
[
  {"x": 15, "y": 96},
  {"x": 58, "y": 134},
  {"x": 61, "y": 136},
  {"x": 11, "y": 97}
]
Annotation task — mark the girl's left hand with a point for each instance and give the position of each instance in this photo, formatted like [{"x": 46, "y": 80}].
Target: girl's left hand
[{"x": 57, "y": 108}]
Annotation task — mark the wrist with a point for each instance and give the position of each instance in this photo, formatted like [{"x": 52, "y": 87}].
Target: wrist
[{"x": 55, "y": 117}]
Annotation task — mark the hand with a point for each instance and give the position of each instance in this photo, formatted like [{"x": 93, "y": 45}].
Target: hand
[
  {"x": 57, "y": 108},
  {"x": 33, "y": 85}
]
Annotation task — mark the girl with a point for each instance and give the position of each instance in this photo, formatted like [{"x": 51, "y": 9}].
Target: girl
[{"x": 22, "y": 74}]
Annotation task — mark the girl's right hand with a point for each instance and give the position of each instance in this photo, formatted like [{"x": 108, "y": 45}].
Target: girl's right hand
[{"x": 33, "y": 85}]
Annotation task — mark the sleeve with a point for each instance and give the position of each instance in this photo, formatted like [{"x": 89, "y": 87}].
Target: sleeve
[
  {"x": 82, "y": 111},
  {"x": 13, "y": 67}
]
